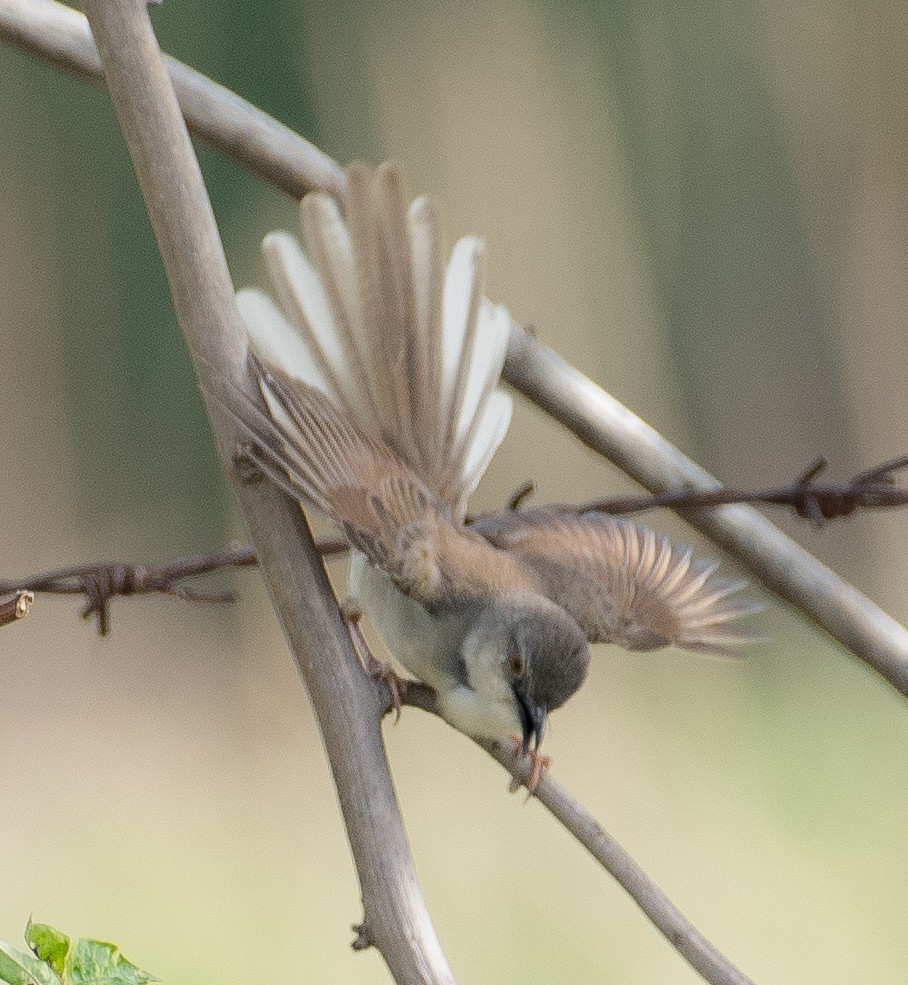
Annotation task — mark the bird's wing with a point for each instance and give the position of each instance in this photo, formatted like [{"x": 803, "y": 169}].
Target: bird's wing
[
  {"x": 624, "y": 583},
  {"x": 319, "y": 457}
]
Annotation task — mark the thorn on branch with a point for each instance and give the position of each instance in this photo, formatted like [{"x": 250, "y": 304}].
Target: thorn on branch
[
  {"x": 520, "y": 494},
  {"x": 363, "y": 940}
]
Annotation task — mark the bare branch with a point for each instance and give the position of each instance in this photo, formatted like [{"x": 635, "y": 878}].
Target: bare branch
[{"x": 347, "y": 704}]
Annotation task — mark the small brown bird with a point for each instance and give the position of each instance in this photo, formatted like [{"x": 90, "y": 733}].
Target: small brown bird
[{"x": 380, "y": 366}]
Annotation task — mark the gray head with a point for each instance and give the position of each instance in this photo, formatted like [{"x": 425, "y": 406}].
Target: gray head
[{"x": 523, "y": 657}]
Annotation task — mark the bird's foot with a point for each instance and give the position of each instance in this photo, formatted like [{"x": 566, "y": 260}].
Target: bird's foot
[
  {"x": 377, "y": 669},
  {"x": 539, "y": 766}
]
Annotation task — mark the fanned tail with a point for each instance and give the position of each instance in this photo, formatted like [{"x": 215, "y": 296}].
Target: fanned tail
[{"x": 403, "y": 345}]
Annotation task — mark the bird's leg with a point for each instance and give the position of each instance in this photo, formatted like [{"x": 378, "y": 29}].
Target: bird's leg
[
  {"x": 375, "y": 668},
  {"x": 538, "y": 768}
]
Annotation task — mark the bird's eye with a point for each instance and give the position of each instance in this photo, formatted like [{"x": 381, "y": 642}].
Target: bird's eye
[{"x": 517, "y": 663}]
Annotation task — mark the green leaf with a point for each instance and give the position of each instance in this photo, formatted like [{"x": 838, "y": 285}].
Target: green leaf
[
  {"x": 93, "y": 962},
  {"x": 22, "y": 968},
  {"x": 49, "y": 944},
  {"x": 59, "y": 961}
]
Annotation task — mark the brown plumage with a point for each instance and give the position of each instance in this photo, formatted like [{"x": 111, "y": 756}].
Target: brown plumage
[
  {"x": 621, "y": 582},
  {"x": 380, "y": 372}
]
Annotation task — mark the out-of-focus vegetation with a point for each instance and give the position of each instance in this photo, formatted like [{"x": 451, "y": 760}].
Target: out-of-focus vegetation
[
  {"x": 54, "y": 958},
  {"x": 702, "y": 207}
]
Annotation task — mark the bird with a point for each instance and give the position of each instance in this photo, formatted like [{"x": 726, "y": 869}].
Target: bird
[{"x": 380, "y": 366}]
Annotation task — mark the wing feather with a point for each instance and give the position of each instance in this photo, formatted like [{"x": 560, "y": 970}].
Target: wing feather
[
  {"x": 623, "y": 582},
  {"x": 385, "y": 510}
]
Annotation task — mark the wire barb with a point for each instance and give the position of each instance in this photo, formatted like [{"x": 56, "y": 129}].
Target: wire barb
[
  {"x": 874, "y": 488},
  {"x": 101, "y": 582},
  {"x": 17, "y": 607}
]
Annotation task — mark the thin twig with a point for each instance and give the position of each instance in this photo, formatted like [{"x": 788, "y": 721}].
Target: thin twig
[
  {"x": 680, "y": 932},
  {"x": 346, "y": 703}
]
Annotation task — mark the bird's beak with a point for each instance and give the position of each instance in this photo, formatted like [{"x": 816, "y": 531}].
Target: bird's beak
[{"x": 532, "y": 722}]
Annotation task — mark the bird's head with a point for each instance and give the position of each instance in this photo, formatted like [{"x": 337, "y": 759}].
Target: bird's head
[{"x": 523, "y": 657}]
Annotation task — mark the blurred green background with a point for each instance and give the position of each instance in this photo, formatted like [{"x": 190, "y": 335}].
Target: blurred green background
[{"x": 703, "y": 206}]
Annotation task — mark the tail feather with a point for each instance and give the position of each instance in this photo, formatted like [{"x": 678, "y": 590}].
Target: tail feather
[
  {"x": 427, "y": 239},
  {"x": 462, "y": 295},
  {"x": 276, "y": 340},
  {"x": 489, "y": 347},
  {"x": 377, "y": 218},
  {"x": 490, "y": 430},
  {"x": 294, "y": 279},
  {"x": 400, "y": 342},
  {"x": 340, "y": 333}
]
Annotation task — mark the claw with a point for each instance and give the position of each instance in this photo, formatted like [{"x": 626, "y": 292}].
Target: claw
[{"x": 539, "y": 766}]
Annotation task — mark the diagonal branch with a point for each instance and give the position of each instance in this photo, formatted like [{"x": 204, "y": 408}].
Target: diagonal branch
[
  {"x": 610, "y": 429},
  {"x": 666, "y": 917},
  {"x": 347, "y": 706}
]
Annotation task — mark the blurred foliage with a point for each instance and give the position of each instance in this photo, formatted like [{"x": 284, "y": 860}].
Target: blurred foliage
[
  {"x": 58, "y": 960},
  {"x": 719, "y": 206}
]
